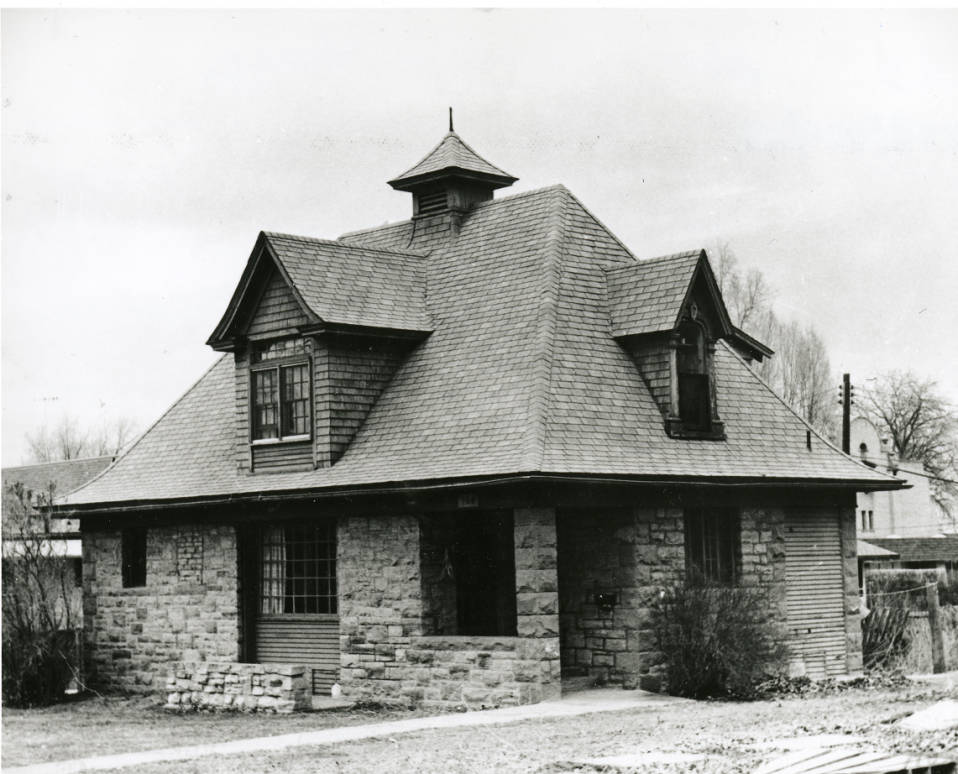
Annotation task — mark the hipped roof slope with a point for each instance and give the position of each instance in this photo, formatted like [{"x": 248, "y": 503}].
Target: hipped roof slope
[{"x": 520, "y": 375}]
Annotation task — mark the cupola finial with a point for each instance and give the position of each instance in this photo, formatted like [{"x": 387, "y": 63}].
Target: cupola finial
[{"x": 450, "y": 121}]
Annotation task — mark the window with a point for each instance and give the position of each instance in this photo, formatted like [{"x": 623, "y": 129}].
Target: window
[
  {"x": 694, "y": 399},
  {"x": 280, "y": 391},
  {"x": 468, "y": 574},
  {"x": 133, "y": 557},
  {"x": 711, "y": 545},
  {"x": 298, "y": 569},
  {"x": 871, "y": 521}
]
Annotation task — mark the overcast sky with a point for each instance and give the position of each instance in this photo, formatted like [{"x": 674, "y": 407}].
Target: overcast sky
[{"x": 143, "y": 151}]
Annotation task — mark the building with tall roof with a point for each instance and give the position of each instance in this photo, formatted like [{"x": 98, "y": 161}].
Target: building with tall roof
[{"x": 453, "y": 459}]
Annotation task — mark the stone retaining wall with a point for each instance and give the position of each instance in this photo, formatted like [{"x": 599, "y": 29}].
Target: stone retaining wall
[{"x": 231, "y": 686}]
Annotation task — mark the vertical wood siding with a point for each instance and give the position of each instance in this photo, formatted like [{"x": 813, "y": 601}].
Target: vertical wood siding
[{"x": 815, "y": 590}]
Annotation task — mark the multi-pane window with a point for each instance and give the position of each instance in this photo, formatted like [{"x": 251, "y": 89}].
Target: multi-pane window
[
  {"x": 298, "y": 569},
  {"x": 712, "y": 545},
  {"x": 280, "y": 391}
]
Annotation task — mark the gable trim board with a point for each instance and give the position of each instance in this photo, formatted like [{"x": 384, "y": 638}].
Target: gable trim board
[{"x": 503, "y": 387}]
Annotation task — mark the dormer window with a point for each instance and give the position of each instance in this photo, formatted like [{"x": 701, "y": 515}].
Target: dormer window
[
  {"x": 692, "y": 367},
  {"x": 280, "y": 392}
]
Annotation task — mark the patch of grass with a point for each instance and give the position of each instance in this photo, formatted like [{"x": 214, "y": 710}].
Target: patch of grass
[
  {"x": 104, "y": 726},
  {"x": 727, "y": 733}
]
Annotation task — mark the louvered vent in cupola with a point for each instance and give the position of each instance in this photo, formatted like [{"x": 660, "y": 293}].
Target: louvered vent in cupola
[{"x": 430, "y": 203}]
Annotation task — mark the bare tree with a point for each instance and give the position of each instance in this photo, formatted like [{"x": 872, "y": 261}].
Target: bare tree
[
  {"x": 41, "y": 605},
  {"x": 799, "y": 371},
  {"x": 802, "y": 375},
  {"x": 748, "y": 296},
  {"x": 68, "y": 441},
  {"x": 921, "y": 424}
]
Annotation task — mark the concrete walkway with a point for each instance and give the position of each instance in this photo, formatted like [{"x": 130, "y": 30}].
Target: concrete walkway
[{"x": 579, "y": 703}]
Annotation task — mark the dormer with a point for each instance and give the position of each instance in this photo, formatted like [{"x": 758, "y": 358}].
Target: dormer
[
  {"x": 668, "y": 314},
  {"x": 450, "y": 180},
  {"x": 317, "y": 329}
]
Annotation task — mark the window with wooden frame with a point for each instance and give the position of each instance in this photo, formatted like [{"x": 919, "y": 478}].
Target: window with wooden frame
[
  {"x": 298, "y": 569},
  {"x": 133, "y": 557},
  {"x": 280, "y": 390},
  {"x": 695, "y": 403},
  {"x": 712, "y": 545}
]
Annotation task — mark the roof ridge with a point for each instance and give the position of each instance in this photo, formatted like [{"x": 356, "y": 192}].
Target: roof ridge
[
  {"x": 338, "y": 243},
  {"x": 546, "y": 322},
  {"x": 798, "y": 416},
  {"x": 601, "y": 225},
  {"x": 148, "y": 430}
]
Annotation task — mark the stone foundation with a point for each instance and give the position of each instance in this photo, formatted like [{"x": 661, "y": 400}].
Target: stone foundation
[{"x": 280, "y": 688}]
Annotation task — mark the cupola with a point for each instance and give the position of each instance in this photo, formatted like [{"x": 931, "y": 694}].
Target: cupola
[{"x": 451, "y": 178}]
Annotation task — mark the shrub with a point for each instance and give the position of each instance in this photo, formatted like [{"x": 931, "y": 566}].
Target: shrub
[
  {"x": 891, "y": 596},
  {"x": 948, "y": 591},
  {"x": 40, "y": 653},
  {"x": 716, "y": 640}
]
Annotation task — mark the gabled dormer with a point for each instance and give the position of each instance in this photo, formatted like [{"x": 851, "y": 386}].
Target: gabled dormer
[
  {"x": 449, "y": 181},
  {"x": 317, "y": 330},
  {"x": 668, "y": 313}
]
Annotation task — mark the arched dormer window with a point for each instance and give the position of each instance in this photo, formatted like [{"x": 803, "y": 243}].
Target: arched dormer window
[{"x": 695, "y": 411}]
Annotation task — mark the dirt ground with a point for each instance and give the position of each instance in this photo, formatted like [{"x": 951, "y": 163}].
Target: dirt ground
[{"x": 729, "y": 734}]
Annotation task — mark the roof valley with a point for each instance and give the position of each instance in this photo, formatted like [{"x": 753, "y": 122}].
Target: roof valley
[{"x": 544, "y": 346}]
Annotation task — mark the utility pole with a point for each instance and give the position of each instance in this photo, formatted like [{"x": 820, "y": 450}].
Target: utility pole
[{"x": 845, "y": 394}]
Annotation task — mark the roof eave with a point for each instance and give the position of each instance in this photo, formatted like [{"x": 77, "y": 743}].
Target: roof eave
[
  {"x": 403, "y": 183},
  {"x": 422, "y": 485}
]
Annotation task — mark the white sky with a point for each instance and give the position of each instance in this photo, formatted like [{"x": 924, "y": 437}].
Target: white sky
[{"x": 143, "y": 151}]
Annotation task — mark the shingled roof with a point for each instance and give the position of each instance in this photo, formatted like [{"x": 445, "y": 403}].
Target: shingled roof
[
  {"x": 452, "y": 154},
  {"x": 647, "y": 297},
  {"x": 521, "y": 375},
  {"x": 340, "y": 284},
  {"x": 943, "y": 548}
]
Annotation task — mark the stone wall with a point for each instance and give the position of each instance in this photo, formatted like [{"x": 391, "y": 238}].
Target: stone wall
[
  {"x": 387, "y": 655},
  {"x": 231, "y": 686},
  {"x": 629, "y": 552},
  {"x": 633, "y": 553},
  {"x": 853, "y": 625},
  {"x": 186, "y": 611}
]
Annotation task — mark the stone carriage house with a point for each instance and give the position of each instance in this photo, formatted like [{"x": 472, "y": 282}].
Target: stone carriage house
[{"x": 453, "y": 459}]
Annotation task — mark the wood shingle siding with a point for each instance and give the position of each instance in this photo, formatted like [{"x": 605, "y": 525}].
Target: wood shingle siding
[
  {"x": 282, "y": 456},
  {"x": 278, "y": 313},
  {"x": 815, "y": 590}
]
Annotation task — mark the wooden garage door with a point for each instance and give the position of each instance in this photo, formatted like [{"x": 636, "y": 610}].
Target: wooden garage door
[
  {"x": 297, "y": 619},
  {"x": 815, "y": 591}
]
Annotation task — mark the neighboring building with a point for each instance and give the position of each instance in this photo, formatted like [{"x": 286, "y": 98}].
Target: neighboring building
[
  {"x": 920, "y": 553},
  {"x": 909, "y": 512},
  {"x": 61, "y": 536},
  {"x": 452, "y": 459}
]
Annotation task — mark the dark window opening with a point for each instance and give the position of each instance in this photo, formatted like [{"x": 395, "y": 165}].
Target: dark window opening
[
  {"x": 133, "y": 552},
  {"x": 712, "y": 545},
  {"x": 694, "y": 397},
  {"x": 298, "y": 569},
  {"x": 280, "y": 393},
  {"x": 77, "y": 573},
  {"x": 469, "y": 574}
]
